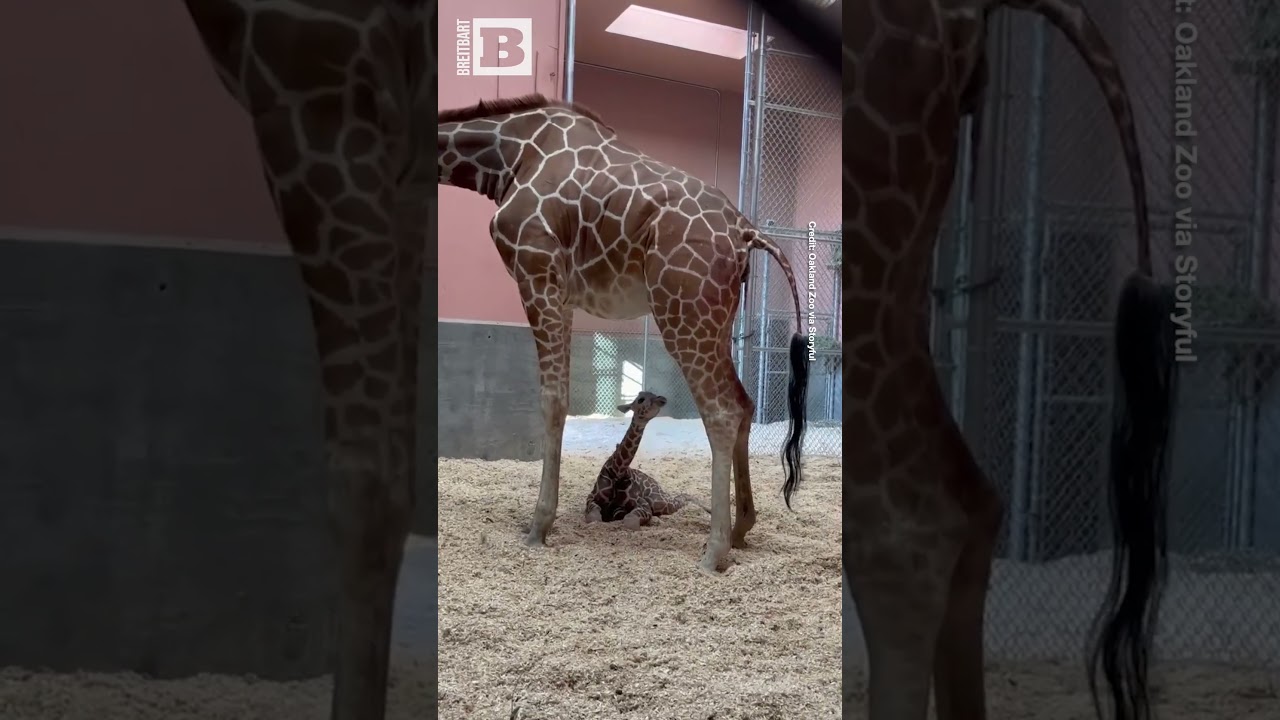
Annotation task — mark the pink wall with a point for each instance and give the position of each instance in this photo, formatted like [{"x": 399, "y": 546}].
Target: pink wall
[
  {"x": 123, "y": 128},
  {"x": 473, "y": 283},
  {"x": 705, "y": 142}
]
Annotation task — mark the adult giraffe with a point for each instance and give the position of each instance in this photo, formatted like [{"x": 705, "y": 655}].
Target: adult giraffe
[
  {"x": 586, "y": 221},
  {"x": 921, "y": 519},
  {"x": 340, "y": 95}
]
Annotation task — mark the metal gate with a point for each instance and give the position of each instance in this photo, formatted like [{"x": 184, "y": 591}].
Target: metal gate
[{"x": 790, "y": 188}]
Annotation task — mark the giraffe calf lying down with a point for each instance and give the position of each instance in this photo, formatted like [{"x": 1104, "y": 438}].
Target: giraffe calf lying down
[{"x": 624, "y": 493}]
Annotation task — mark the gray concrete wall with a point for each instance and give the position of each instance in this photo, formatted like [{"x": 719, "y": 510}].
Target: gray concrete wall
[
  {"x": 597, "y": 371},
  {"x": 489, "y": 404},
  {"x": 161, "y": 466}
]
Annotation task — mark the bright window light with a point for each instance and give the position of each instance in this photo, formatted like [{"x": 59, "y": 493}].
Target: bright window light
[
  {"x": 632, "y": 381},
  {"x": 679, "y": 31}
]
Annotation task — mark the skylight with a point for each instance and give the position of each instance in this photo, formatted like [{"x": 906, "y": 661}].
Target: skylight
[{"x": 679, "y": 31}]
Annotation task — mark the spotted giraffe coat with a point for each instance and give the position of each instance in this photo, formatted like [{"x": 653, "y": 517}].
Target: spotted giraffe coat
[{"x": 624, "y": 493}]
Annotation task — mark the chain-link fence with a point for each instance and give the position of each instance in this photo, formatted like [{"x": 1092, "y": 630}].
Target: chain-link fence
[
  {"x": 790, "y": 188},
  {"x": 791, "y": 191},
  {"x": 610, "y": 368},
  {"x": 1027, "y": 278}
]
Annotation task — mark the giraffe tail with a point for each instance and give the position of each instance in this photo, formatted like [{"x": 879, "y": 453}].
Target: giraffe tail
[
  {"x": 1071, "y": 18},
  {"x": 1124, "y": 629},
  {"x": 1142, "y": 415},
  {"x": 801, "y": 352}
]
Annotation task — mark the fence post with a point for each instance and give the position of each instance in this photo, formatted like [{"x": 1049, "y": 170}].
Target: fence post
[
  {"x": 744, "y": 169},
  {"x": 951, "y": 312},
  {"x": 762, "y": 343},
  {"x": 757, "y": 133},
  {"x": 838, "y": 338},
  {"x": 1264, "y": 181},
  {"x": 570, "y": 41},
  {"x": 644, "y": 354},
  {"x": 1019, "y": 515}
]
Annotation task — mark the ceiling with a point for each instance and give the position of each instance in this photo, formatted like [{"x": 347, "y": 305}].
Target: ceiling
[{"x": 594, "y": 46}]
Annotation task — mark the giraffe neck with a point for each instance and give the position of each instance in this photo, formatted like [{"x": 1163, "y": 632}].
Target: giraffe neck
[
  {"x": 626, "y": 450},
  {"x": 479, "y": 155}
]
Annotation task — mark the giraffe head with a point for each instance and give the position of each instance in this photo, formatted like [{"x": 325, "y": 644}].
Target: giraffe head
[{"x": 645, "y": 407}]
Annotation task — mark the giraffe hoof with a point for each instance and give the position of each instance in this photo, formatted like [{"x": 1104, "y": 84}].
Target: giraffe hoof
[
  {"x": 593, "y": 516},
  {"x": 631, "y": 523},
  {"x": 535, "y": 540}
]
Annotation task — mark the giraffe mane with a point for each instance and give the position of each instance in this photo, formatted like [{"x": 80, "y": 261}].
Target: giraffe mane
[{"x": 503, "y": 106}]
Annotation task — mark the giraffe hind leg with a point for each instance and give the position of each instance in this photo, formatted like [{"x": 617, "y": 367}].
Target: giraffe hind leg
[
  {"x": 640, "y": 515},
  {"x": 694, "y": 314},
  {"x": 675, "y": 503},
  {"x": 919, "y": 580},
  {"x": 901, "y": 607},
  {"x": 744, "y": 504},
  {"x": 959, "y": 687},
  {"x": 708, "y": 369}
]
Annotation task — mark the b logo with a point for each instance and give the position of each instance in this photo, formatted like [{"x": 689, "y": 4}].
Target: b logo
[{"x": 502, "y": 46}]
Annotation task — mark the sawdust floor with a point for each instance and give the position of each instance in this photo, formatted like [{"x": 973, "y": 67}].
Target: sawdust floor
[
  {"x": 26, "y": 695},
  {"x": 1058, "y": 691},
  {"x": 608, "y": 623}
]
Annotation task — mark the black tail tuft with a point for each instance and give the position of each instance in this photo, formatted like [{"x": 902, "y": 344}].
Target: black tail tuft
[
  {"x": 797, "y": 399},
  {"x": 1146, "y": 386}
]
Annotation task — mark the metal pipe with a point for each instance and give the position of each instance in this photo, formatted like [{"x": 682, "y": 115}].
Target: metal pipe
[
  {"x": 1211, "y": 335},
  {"x": 569, "y": 55},
  {"x": 982, "y": 313},
  {"x": 1035, "y": 483},
  {"x": 1264, "y": 185},
  {"x": 757, "y": 123},
  {"x": 644, "y": 355},
  {"x": 743, "y": 158},
  {"x": 1235, "y": 451},
  {"x": 828, "y": 238},
  {"x": 835, "y": 337},
  {"x": 960, "y": 301},
  {"x": 744, "y": 162},
  {"x": 1264, "y": 180},
  {"x": 1022, "y": 468},
  {"x": 756, "y": 141},
  {"x": 762, "y": 363},
  {"x": 945, "y": 276},
  {"x": 794, "y": 110}
]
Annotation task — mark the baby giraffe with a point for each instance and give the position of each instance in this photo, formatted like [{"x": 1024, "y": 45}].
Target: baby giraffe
[{"x": 624, "y": 493}]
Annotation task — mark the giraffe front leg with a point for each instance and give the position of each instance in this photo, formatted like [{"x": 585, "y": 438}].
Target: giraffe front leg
[
  {"x": 640, "y": 515},
  {"x": 369, "y": 376},
  {"x": 600, "y": 497},
  {"x": 594, "y": 513},
  {"x": 551, "y": 323}
]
